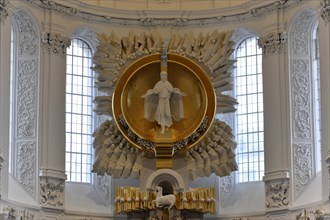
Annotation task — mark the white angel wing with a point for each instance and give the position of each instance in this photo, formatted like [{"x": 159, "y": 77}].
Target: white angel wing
[
  {"x": 150, "y": 105},
  {"x": 176, "y": 105}
]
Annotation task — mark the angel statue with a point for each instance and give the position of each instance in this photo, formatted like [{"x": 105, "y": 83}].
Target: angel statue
[{"x": 163, "y": 102}]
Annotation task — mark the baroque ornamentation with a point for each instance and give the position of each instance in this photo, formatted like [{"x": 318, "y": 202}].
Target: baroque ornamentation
[
  {"x": 226, "y": 187},
  {"x": 150, "y": 21},
  {"x": 55, "y": 42},
  {"x": 26, "y": 98},
  {"x": 27, "y": 34},
  {"x": 301, "y": 98},
  {"x": 277, "y": 194},
  {"x": 300, "y": 33},
  {"x": 325, "y": 10},
  {"x": 12, "y": 213},
  {"x": 102, "y": 186},
  {"x": 273, "y": 42},
  {"x": 3, "y": 9},
  {"x": 302, "y": 165},
  {"x": 26, "y": 165},
  {"x": 51, "y": 192}
]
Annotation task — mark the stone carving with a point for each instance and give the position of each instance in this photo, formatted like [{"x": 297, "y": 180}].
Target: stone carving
[
  {"x": 114, "y": 155},
  {"x": 273, "y": 42},
  {"x": 3, "y": 9},
  {"x": 12, "y": 213},
  {"x": 168, "y": 102},
  {"x": 325, "y": 10},
  {"x": 164, "y": 201},
  {"x": 216, "y": 152},
  {"x": 277, "y": 194},
  {"x": 51, "y": 192},
  {"x": 28, "y": 36},
  {"x": 25, "y": 108},
  {"x": 103, "y": 186},
  {"x": 300, "y": 33},
  {"x": 150, "y": 21},
  {"x": 301, "y": 90},
  {"x": 227, "y": 185},
  {"x": 25, "y": 164},
  {"x": 302, "y": 166},
  {"x": 55, "y": 42},
  {"x": 26, "y": 98},
  {"x": 302, "y": 100}
]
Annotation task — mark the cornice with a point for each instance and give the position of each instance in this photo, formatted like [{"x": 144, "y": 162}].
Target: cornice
[{"x": 163, "y": 18}]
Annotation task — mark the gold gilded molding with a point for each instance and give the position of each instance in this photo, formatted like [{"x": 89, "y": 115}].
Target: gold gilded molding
[{"x": 183, "y": 73}]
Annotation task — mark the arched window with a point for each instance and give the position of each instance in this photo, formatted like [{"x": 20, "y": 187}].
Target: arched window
[
  {"x": 249, "y": 114},
  {"x": 79, "y": 115}
]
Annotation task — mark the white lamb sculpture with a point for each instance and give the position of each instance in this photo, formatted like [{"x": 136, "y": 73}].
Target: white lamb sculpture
[{"x": 161, "y": 201}]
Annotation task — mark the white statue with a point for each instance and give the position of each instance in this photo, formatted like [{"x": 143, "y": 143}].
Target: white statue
[
  {"x": 161, "y": 201},
  {"x": 163, "y": 102}
]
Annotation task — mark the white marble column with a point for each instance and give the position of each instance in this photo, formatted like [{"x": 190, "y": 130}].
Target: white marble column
[
  {"x": 274, "y": 45},
  {"x": 52, "y": 169}
]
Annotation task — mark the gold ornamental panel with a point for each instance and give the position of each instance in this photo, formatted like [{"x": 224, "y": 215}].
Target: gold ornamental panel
[{"x": 184, "y": 74}]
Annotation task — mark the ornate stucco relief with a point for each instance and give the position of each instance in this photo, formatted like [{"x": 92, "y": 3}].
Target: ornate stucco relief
[
  {"x": 3, "y": 9},
  {"x": 300, "y": 34},
  {"x": 325, "y": 10},
  {"x": 273, "y": 42},
  {"x": 25, "y": 107},
  {"x": 181, "y": 19},
  {"x": 102, "y": 185},
  {"x": 27, "y": 34},
  {"x": 301, "y": 99},
  {"x": 227, "y": 185},
  {"x": 55, "y": 42},
  {"x": 25, "y": 165},
  {"x": 302, "y": 138},
  {"x": 277, "y": 193},
  {"x": 302, "y": 165},
  {"x": 12, "y": 213},
  {"x": 51, "y": 192},
  {"x": 26, "y": 93}
]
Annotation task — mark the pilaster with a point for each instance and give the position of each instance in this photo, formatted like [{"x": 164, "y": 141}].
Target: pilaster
[
  {"x": 274, "y": 46},
  {"x": 52, "y": 171}
]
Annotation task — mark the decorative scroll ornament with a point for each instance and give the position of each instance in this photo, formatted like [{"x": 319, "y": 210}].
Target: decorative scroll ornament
[
  {"x": 25, "y": 167},
  {"x": 3, "y": 10},
  {"x": 55, "y": 42},
  {"x": 51, "y": 192},
  {"x": 325, "y": 10},
  {"x": 273, "y": 42},
  {"x": 277, "y": 194},
  {"x": 302, "y": 166}
]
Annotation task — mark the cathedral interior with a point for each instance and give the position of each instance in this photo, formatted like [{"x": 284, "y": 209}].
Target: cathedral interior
[{"x": 164, "y": 109}]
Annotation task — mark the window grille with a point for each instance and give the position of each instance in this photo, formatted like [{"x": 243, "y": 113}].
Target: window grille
[
  {"x": 79, "y": 115},
  {"x": 249, "y": 114}
]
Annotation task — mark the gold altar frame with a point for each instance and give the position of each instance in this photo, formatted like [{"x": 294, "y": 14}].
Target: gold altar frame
[{"x": 183, "y": 73}]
